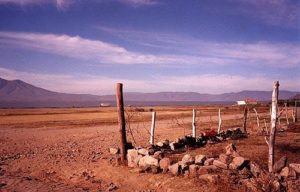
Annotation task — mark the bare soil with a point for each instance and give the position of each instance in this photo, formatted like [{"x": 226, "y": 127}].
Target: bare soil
[{"x": 67, "y": 149}]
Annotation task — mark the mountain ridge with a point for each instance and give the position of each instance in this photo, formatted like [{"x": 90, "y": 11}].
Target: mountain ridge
[{"x": 19, "y": 93}]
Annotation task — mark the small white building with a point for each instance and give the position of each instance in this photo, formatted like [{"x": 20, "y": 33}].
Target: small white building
[
  {"x": 104, "y": 104},
  {"x": 247, "y": 102}
]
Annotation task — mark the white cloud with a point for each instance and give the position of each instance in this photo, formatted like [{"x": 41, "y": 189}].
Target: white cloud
[
  {"x": 60, "y": 4},
  {"x": 274, "y": 12},
  {"x": 209, "y": 83}
]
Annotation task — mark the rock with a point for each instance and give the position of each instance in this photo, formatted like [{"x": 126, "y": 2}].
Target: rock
[
  {"x": 174, "y": 169},
  {"x": 255, "y": 169},
  {"x": 250, "y": 184},
  {"x": 174, "y": 146},
  {"x": 148, "y": 161},
  {"x": 158, "y": 155},
  {"x": 209, "y": 161},
  {"x": 188, "y": 159},
  {"x": 200, "y": 159},
  {"x": 275, "y": 186},
  {"x": 231, "y": 150},
  {"x": 295, "y": 167},
  {"x": 209, "y": 178},
  {"x": 280, "y": 164},
  {"x": 154, "y": 169},
  {"x": 225, "y": 158},
  {"x": 164, "y": 164},
  {"x": 245, "y": 173},
  {"x": 292, "y": 173},
  {"x": 133, "y": 158},
  {"x": 114, "y": 151},
  {"x": 193, "y": 170},
  {"x": 160, "y": 144},
  {"x": 183, "y": 166},
  {"x": 206, "y": 169},
  {"x": 220, "y": 164},
  {"x": 238, "y": 163},
  {"x": 143, "y": 151},
  {"x": 284, "y": 172}
]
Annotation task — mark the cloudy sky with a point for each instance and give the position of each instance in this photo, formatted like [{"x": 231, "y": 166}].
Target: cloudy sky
[{"x": 207, "y": 46}]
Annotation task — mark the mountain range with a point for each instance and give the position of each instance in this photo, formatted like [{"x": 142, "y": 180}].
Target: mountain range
[{"x": 17, "y": 93}]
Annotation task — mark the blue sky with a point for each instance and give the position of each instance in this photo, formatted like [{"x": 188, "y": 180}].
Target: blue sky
[{"x": 207, "y": 46}]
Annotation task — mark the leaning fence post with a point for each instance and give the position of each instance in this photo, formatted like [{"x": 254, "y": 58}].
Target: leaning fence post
[
  {"x": 220, "y": 121},
  {"x": 245, "y": 119},
  {"x": 121, "y": 119},
  {"x": 257, "y": 118},
  {"x": 296, "y": 111},
  {"x": 152, "y": 128},
  {"x": 286, "y": 114},
  {"x": 194, "y": 124},
  {"x": 273, "y": 125}
]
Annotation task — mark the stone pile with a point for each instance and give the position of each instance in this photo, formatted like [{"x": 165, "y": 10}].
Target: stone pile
[{"x": 209, "y": 169}]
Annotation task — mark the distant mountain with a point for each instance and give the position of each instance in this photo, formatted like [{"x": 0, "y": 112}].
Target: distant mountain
[
  {"x": 17, "y": 93},
  {"x": 296, "y": 96},
  {"x": 194, "y": 96}
]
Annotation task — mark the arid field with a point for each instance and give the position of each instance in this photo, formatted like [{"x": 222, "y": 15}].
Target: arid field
[{"x": 67, "y": 149}]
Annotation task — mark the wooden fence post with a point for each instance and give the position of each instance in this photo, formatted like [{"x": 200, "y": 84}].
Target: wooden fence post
[
  {"x": 220, "y": 121},
  {"x": 121, "y": 119},
  {"x": 245, "y": 119},
  {"x": 152, "y": 128},
  {"x": 273, "y": 125},
  {"x": 296, "y": 111},
  {"x": 286, "y": 114},
  {"x": 257, "y": 118},
  {"x": 194, "y": 124}
]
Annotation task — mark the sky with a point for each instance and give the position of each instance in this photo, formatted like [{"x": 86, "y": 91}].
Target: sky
[{"x": 207, "y": 46}]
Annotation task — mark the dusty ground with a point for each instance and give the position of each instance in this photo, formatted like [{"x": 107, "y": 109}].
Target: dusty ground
[{"x": 67, "y": 149}]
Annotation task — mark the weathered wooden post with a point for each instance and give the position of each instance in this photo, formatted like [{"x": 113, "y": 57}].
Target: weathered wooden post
[
  {"x": 220, "y": 121},
  {"x": 245, "y": 119},
  {"x": 152, "y": 128},
  {"x": 121, "y": 119},
  {"x": 273, "y": 125},
  {"x": 296, "y": 111},
  {"x": 286, "y": 114},
  {"x": 257, "y": 118},
  {"x": 194, "y": 124}
]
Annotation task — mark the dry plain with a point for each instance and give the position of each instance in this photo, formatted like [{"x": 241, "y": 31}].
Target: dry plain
[{"x": 66, "y": 149}]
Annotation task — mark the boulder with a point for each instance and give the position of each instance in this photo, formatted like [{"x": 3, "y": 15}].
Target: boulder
[
  {"x": 148, "y": 161},
  {"x": 164, "y": 164},
  {"x": 284, "y": 172},
  {"x": 206, "y": 169},
  {"x": 187, "y": 159},
  {"x": 225, "y": 158},
  {"x": 209, "y": 161},
  {"x": 114, "y": 151},
  {"x": 209, "y": 178},
  {"x": 174, "y": 146},
  {"x": 183, "y": 166},
  {"x": 143, "y": 151},
  {"x": 160, "y": 144},
  {"x": 158, "y": 155},
  {"x": 220, "y": 164},
  {"x": 280, "y": 164},
  {"x": 200, "y": 159},
  {"x": 174, "y": 169},
  {"x": 193, "y": 170},
  {"x": 133, "y": 158},
  {"x": 255, "y": 169},
  {"x": 231, "y": 150},
  {"x": 245, "y": 173},
  {"x": 238, "y": 163},
  {"x": 295, "y": 167},
  {"x": 292, "y": 173}
]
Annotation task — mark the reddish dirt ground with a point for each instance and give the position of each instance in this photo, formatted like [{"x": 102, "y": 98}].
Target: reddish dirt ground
[{"x": 66, "y": 158}]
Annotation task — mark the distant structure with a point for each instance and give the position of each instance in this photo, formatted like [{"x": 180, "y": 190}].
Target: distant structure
[
  {"x": 247, "y": 101},
  {"x": 104, "y": 104}
]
